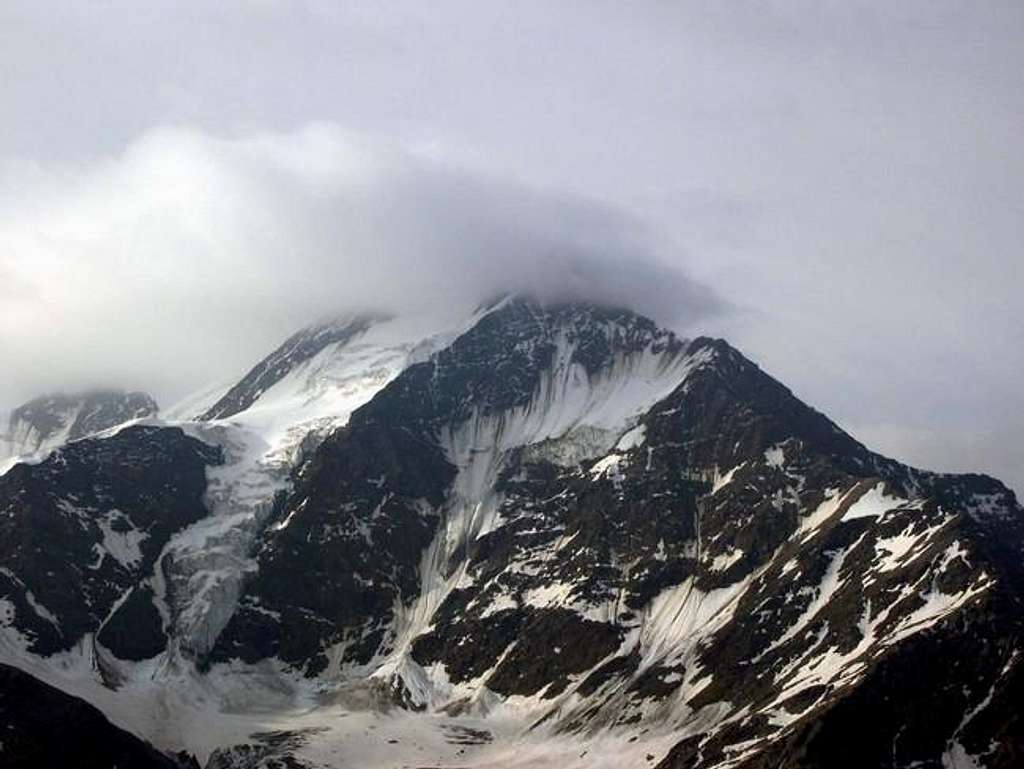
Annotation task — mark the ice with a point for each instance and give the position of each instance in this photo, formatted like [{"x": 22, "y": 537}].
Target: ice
[{"x": 205, "y": 564}]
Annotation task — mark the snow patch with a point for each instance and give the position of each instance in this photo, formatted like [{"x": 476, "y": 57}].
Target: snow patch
[
  {"x": 775, "y": 456},
  {"x": 874, "y": 503},
  {"x": 123, "y": 546},
  {"x": 722, "y": 480}
]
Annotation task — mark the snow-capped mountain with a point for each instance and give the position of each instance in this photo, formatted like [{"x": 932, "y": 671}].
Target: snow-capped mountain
[
  {"x": 52, "y": 420},
  {"x": 531, "y": 535}
]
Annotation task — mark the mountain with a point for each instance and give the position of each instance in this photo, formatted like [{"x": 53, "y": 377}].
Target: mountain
[
  {"x": 82, "y": 530},
  {"x": 531, "y": 535},
  {"x": 51, "y": 420},
  {"x": 296, "y": 351},
  {"x": 33, "y": 713}
]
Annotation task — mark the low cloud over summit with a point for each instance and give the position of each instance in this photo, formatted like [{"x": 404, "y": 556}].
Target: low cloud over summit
[{"x": 187, "y": 256}]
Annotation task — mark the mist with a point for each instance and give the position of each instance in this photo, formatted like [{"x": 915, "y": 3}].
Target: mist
[
  {"x": 187, "y": 257},
  {"x": 833, "y": 187}
]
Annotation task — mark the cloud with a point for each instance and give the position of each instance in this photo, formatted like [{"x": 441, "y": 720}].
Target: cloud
[
  {"x": 847, "y": 173},
  {"x": 184, "y": 258}
]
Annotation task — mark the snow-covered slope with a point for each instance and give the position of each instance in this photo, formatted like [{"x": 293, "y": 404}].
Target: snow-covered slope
[
  {"x": 42, "y": 424},
  {"x": 525, "y": 536},
  {"x": 296, "y": 396}
]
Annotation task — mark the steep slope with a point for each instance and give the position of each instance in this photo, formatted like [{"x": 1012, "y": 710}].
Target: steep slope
[
  {"x": 266, "y": 424},
  {"x": 294, "y": 352},
  {"x": 80, "y": 533},
  {"x": 52, "y": 420},
  {"x": 734, "y": 565},
  {"x": 404, "y": 480},
  {"x": 46, "y": 729},
  {"x": 564, "y": 533}
]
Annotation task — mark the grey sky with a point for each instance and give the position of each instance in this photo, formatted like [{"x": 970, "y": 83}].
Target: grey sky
[{"x": 843, "y": 178}]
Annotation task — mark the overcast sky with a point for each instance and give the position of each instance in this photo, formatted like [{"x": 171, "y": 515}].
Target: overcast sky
[{"x": 836, "y": 187}]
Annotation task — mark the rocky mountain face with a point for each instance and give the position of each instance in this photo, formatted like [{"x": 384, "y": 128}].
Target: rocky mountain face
[
  {"x": 52, "y": 420},
  {"x": 81, "y": 533},
  {"x": 550, "y": 534}
]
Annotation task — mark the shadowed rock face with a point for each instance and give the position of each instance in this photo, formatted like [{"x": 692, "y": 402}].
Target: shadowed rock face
[
  {"x": 572, "y": 507},
  {"x": 741, "y": 539},
  {"x": 44, "y": 728},
  {"x": 374, "y": 493},
  {"x": 80, "y": 533}
]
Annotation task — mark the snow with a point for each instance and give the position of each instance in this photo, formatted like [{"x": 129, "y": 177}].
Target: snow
[
  {"x": 823, "y": 594},
  {"x": 724, "y": 479},
  {"x": 679, "y": 616},
  {"x": 192, "y": 405},
  {"x": 24, "y": 439},
  {"x": 23, "y": 443},
  {"x": 123, "y": 546},
  {"x": 775, "y": 456},
  {"x": 956, "y": 756},
  {"x": 811, "y": 524},
  {"x": 608, "y": 467},
  {"x": 818, "y": 665},
  {"x": 41, "y": 610},
  {"x": 502, "y": 602},
  {"x": 567, "y": 402},
  {"x": 551, "y": 594},
  {"x": 724, "y": 560},
  {"x": 936, "y": 605},
  {"x": 7, "y": 612},
  {"x": 234, "y": 702},
  {"x": 895, "y": 551},
  {"x": 632, "y": 438},
  {"x": 571, "y": 417},
  {"x": 204, "y": 566},
  {"x": 874, "y": 503}
]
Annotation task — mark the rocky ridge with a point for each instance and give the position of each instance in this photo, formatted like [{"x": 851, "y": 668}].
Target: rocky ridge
[{"x": 561, "y": 517}]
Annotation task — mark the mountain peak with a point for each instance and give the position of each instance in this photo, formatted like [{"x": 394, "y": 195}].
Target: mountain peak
[
  {"x": 558, "y": 511},
  {"x": 299, "y": 348},
  {"x": 50, "y": 420}
]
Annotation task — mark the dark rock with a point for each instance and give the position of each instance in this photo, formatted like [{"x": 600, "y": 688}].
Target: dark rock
[
  {"x": 143, "y": 484},
  {"x": 43, "y": 728}
]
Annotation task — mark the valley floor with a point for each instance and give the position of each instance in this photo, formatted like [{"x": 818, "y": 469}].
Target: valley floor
[{"x": 217, "y": 719}]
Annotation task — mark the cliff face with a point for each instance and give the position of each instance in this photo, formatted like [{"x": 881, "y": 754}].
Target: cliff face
[{"x": 554, "y": 526}]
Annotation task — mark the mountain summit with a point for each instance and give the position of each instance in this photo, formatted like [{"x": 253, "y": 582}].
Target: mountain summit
[{"x": 541, "y": 535}]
